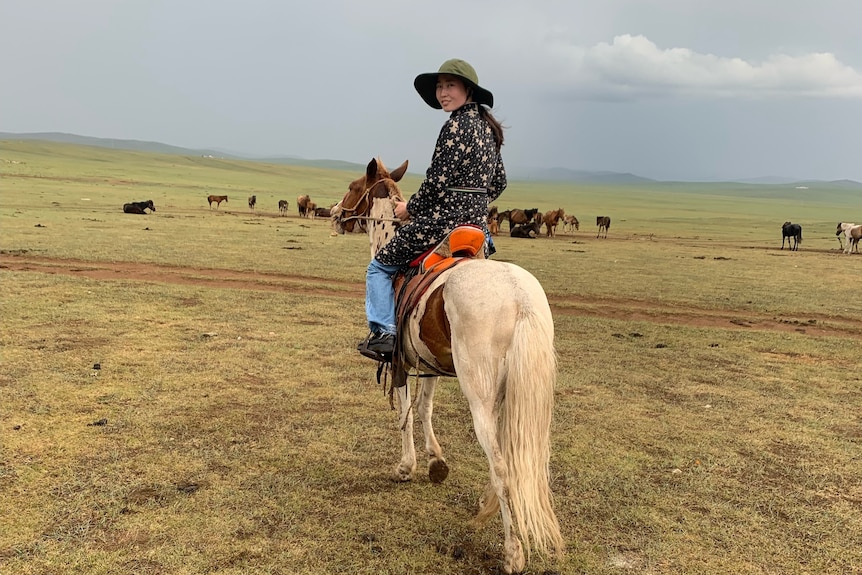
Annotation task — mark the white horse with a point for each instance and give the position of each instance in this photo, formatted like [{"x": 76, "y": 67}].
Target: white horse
[
  {"x": 850, "y": 231},
  {"x": 502, "y": 350}
]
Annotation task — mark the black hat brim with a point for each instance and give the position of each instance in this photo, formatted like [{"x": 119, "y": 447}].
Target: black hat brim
[{"x": 426, "y": 86}]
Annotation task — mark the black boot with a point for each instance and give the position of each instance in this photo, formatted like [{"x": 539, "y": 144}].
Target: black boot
[{"x": 378, "y": 346}]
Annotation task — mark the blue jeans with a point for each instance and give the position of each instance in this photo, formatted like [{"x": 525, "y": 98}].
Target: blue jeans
[{"x": 380, "y": 297}]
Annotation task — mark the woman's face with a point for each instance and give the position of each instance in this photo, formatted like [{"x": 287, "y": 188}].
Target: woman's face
[{"x": 451, "y": 92}]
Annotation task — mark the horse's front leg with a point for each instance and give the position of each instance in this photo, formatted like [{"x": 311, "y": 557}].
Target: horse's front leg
[
  {"x": 407, "y": 465},
  {"x": 437, "y": 468}
]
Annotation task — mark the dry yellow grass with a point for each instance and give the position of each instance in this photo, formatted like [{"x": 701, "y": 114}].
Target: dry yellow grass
[{"x": 706, "y": 422}]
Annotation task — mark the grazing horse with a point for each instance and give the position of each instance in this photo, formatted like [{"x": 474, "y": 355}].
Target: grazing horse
[
  {"x": 217, "y": 200},
  {"x": 571, "y": 223},
  {"x": 604, "y": 223},
  {"x": 794, "y": 233},
  {"x": 282, "y": 207},
  {"x": 842, "y": 231},
  {"x": 489, "y": 324},
  {"x": 138, "y": 207},
  {"x": 551, "y": 219}
]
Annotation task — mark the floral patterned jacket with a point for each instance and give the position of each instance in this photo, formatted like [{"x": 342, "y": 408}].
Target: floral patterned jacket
[{"x": 466, "y": 173}]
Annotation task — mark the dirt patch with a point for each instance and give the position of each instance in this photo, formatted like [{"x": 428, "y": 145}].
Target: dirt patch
[{"x": 603, "y": 307}]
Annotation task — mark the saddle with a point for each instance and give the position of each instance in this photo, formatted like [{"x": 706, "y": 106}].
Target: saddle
[{"x": 462, "y": 244}]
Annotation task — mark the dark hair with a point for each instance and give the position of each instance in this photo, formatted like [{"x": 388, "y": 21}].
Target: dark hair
[{"x": 496, "y": 126}]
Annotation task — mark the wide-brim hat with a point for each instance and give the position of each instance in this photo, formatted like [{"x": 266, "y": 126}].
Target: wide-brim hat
[{"x": 426, "y": 84}]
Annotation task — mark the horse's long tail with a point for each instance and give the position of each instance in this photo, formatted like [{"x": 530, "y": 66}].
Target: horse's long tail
[{"x": 524, "y": 433}]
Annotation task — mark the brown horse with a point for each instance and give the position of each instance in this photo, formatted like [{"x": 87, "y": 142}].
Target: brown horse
[
  {"x": 217, "y": 200},
  {"x": 604, "y": 223},
  {"x": 493, "y": 220},
  {"x": 520, "y": 217},
  {"x": 252, "y": 202},
  {"x": 302, "y": 205},
  {"x": 551, "y": 219},
  {"x": 503, "y": 217}
]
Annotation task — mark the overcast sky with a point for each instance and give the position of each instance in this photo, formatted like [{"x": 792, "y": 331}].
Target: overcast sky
[{"x": 666, "y": 89}]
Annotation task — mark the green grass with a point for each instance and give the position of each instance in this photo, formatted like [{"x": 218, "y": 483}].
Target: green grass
[{"x": 706, "y": 417}]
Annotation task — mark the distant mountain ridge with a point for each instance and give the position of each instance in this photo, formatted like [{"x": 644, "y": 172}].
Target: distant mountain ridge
[
  {"x": 580, "y": 176},
  {"x": 554, "y": 174}
]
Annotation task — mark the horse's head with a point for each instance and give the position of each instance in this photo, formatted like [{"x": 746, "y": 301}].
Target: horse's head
[
  {"x": 151, "y": 205},
  {"x": 377, "y": 182}
]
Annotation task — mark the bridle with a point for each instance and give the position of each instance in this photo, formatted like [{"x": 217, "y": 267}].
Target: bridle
[{"x": 361, "y": 213}]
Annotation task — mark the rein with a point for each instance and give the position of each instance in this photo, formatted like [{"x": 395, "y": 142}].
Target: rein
[
  {"x": 364, "y": 198},
  {"x": 370, "y": 219}
]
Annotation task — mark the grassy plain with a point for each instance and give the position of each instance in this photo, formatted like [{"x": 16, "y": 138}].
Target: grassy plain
[{"x": 707, "y": 414}]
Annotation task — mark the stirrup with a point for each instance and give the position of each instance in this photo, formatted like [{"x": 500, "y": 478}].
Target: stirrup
[{"x": 370, "y": 353}]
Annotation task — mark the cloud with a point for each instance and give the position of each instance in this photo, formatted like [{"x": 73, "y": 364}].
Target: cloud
[{"x": 633, "y": 67}]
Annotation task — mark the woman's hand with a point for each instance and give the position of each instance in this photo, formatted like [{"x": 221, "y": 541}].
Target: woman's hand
[{"x": 401, "y": 211}]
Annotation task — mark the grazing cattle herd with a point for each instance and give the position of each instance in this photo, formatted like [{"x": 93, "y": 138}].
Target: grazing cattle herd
[{"x": 525, "y": 223}]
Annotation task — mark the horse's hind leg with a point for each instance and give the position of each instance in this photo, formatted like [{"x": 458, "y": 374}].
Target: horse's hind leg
[
  {"x": 437, "y": 468},
  {"x": 407, "y": 465},
  {"x": 481, "y": 390},
  {"x": 496, "y": 496}
]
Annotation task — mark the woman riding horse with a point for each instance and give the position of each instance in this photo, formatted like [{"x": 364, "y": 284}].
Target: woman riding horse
[{"x": 466, "y": 173}]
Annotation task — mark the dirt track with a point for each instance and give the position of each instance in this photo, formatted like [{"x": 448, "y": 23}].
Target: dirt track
[{"x": 607, "y": 307}]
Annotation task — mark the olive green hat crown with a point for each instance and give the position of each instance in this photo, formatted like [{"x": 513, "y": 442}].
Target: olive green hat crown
[{"x": 426, "y": 84}]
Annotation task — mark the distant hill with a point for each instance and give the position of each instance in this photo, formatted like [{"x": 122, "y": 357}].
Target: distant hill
[
  {"x": 325, "y": 164},
  {"x": 159, "y": 148},
  {"x": 134, "y": 145},
  {"x": 556, "y": 174},
  {"x": 578, "y": 176}
]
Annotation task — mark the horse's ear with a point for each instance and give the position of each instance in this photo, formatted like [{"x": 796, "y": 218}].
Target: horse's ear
[
  {"x": 399, "y": 172},
  {"x": 371, "y": 170}
]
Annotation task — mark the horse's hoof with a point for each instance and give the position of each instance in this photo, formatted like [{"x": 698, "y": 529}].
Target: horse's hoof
[
  {"x": 438, "y": 471},
  {"x": 401, "y": 476}
]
